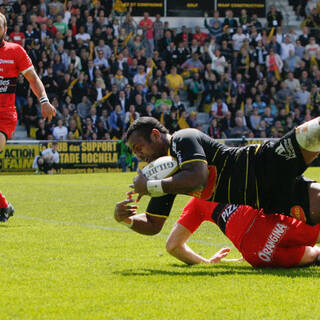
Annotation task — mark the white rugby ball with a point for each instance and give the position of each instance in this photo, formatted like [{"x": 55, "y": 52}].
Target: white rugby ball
[{"x": 160, "y": 168}]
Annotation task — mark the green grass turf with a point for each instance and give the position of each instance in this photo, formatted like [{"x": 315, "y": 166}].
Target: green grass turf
[{"x": 62, "y": 256}]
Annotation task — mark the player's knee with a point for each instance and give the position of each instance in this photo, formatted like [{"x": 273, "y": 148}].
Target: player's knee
[{"x": 171, "y": 245}]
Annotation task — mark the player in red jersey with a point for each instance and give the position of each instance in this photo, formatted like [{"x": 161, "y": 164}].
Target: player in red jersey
[
  {"x": 14, "y": 60},
  {"x": 264, "y": 240}
]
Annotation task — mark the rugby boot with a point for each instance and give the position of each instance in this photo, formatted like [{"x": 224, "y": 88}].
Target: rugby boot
[{"x": 6, "y": 213}]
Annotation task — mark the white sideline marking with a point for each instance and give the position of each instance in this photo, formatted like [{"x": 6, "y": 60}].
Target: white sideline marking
[{"x": 94, "y": 226}]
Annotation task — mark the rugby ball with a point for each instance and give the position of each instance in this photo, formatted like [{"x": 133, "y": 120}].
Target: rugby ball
[{"x": 160, "y": 168}]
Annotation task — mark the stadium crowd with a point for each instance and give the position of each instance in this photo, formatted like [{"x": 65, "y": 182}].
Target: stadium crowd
[{"x": 102, "y": 70}]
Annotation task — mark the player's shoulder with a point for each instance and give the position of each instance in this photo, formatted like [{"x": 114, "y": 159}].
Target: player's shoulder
[
  {"x": 188, "y": 132},
  {"x": 12, "y": 45},
  {"x": 13, "y": 49}
]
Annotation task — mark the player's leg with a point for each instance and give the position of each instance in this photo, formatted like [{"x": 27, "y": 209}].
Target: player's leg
[
  {"x": 310, "y": 255},
  {"x": 314, "y": 202},
  {"x": 308, "y": 138},
  {"x": 6, "y": 209},
  {"x": 8, "y": 123},
  {"x": 278, "y": 241},
  {"x": 190, "y": 219}
]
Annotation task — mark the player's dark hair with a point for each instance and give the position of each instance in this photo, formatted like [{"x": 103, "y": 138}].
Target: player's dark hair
[{"x": 144, "y": 125}]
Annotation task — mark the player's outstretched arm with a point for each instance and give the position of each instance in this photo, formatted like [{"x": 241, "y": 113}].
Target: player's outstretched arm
[
  {"x": 177, "y": 247},
  {"x": 37, "y": 87},
  {"x": 125, "y": 213}
]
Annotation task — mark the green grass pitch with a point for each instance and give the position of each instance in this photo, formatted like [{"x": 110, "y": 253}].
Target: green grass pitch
[{"x": 62, "y": 256}]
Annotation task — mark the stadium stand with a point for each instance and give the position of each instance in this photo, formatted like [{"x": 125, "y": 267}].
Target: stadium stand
[{"x": 103, "y": 68}]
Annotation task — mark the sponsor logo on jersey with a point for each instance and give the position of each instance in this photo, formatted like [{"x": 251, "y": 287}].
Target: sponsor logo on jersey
[
  {"x": 156, "y": 169},
  {"x": 3, "y": 89},
  {"x": 2, "y": 61},
  {"x": 178, "y": 153},
  {"x": 285, "y": 149},
  {"x": 274, "y": 237},
  {"x": 4, "y": 82},
  {"x": 228, "y": 211},
  {"x": 298, "y": 213}
]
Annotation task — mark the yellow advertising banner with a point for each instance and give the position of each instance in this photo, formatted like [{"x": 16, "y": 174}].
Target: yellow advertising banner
[
  {"x": 17, "y": 157},
  {"x": 73, "y": 155}
]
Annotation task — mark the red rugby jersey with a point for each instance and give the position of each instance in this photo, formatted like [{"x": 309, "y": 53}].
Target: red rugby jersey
[{"x": 13, "y": 60}]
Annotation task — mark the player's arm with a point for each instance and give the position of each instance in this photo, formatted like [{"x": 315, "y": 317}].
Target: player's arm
[
  {"x": 145, "y": 223},
  {"x": 192, "y": 177},
  {"x": 177, "y": 247},
  {"x": 37, "y": 87}
]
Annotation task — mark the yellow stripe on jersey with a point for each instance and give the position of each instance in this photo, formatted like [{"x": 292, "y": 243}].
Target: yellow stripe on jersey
[
  {"x": 193, "y": 160},
  {"x": 246, "y": 183},
  {"x": 257, "y": 192},
  {"x": 217, "y": 185},
  {"x": 156, "y": 215},
  {"x": 214, "y": 155},
  {"x": 257, "y": 148}
]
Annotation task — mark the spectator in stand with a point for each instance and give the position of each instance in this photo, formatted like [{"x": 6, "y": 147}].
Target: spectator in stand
[
  {"x": 274, "y": 64},
  {"x": 200, "y": 36},
  {"x": 219, "y": 62},
  {"x": 286, "y": 47},
  {"x": 259, "y": 104},
  {"x": 284, "y": 95},
  {"x": 84, "y": 36},
  {"x": 255, "y": 120},
  {"x": 83, "y": 108},
  {"x": 312, "y": 48},
  {"x": 60, "y": 132},
  {"x": 214, "y": 26},
  {"x": 230, "y": 21},
  {"x": 171, "y": 121},
  {"x": 158, "y": 27},
  {"x": 240, "y": 130},
  {"x": 22, "y": 91},
  {"x": 17, "y": 36},
  {"x": 130, "y": 116},
  {"x": 42, "y": 133},
  {"x": 73, "y": 131},
  {"x": 192, "y": 119},
  {"x": 193, "y": 63},
  {"x": 302, "y": 96},
  {"x": 195, "y": 89},
  {"x": 101, "y": 62},
  {"x": 60, "y": 25},
  {"x": 214, "y": 131},
  {"x": 117, "y": 122},
  {"x": 175, "y": 81},
  {"x": 274, "y": 17},
  {"x": 219, "y": 109},
  {"x": 140, "y": 77},
  {"x": 238, "y": 39},
  {"x": 30, "y": 114},
  {"x": 147, "y": 26}
]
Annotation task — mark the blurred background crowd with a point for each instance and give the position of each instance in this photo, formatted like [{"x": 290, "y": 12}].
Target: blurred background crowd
[{"x": 231, "y": 77}]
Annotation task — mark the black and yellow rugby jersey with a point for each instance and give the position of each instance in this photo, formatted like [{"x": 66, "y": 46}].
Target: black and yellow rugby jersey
[{"x": 232, "y": 175}]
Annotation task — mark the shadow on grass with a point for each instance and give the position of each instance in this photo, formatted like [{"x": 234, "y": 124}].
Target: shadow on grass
[{"x": 215, "y": 271}]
